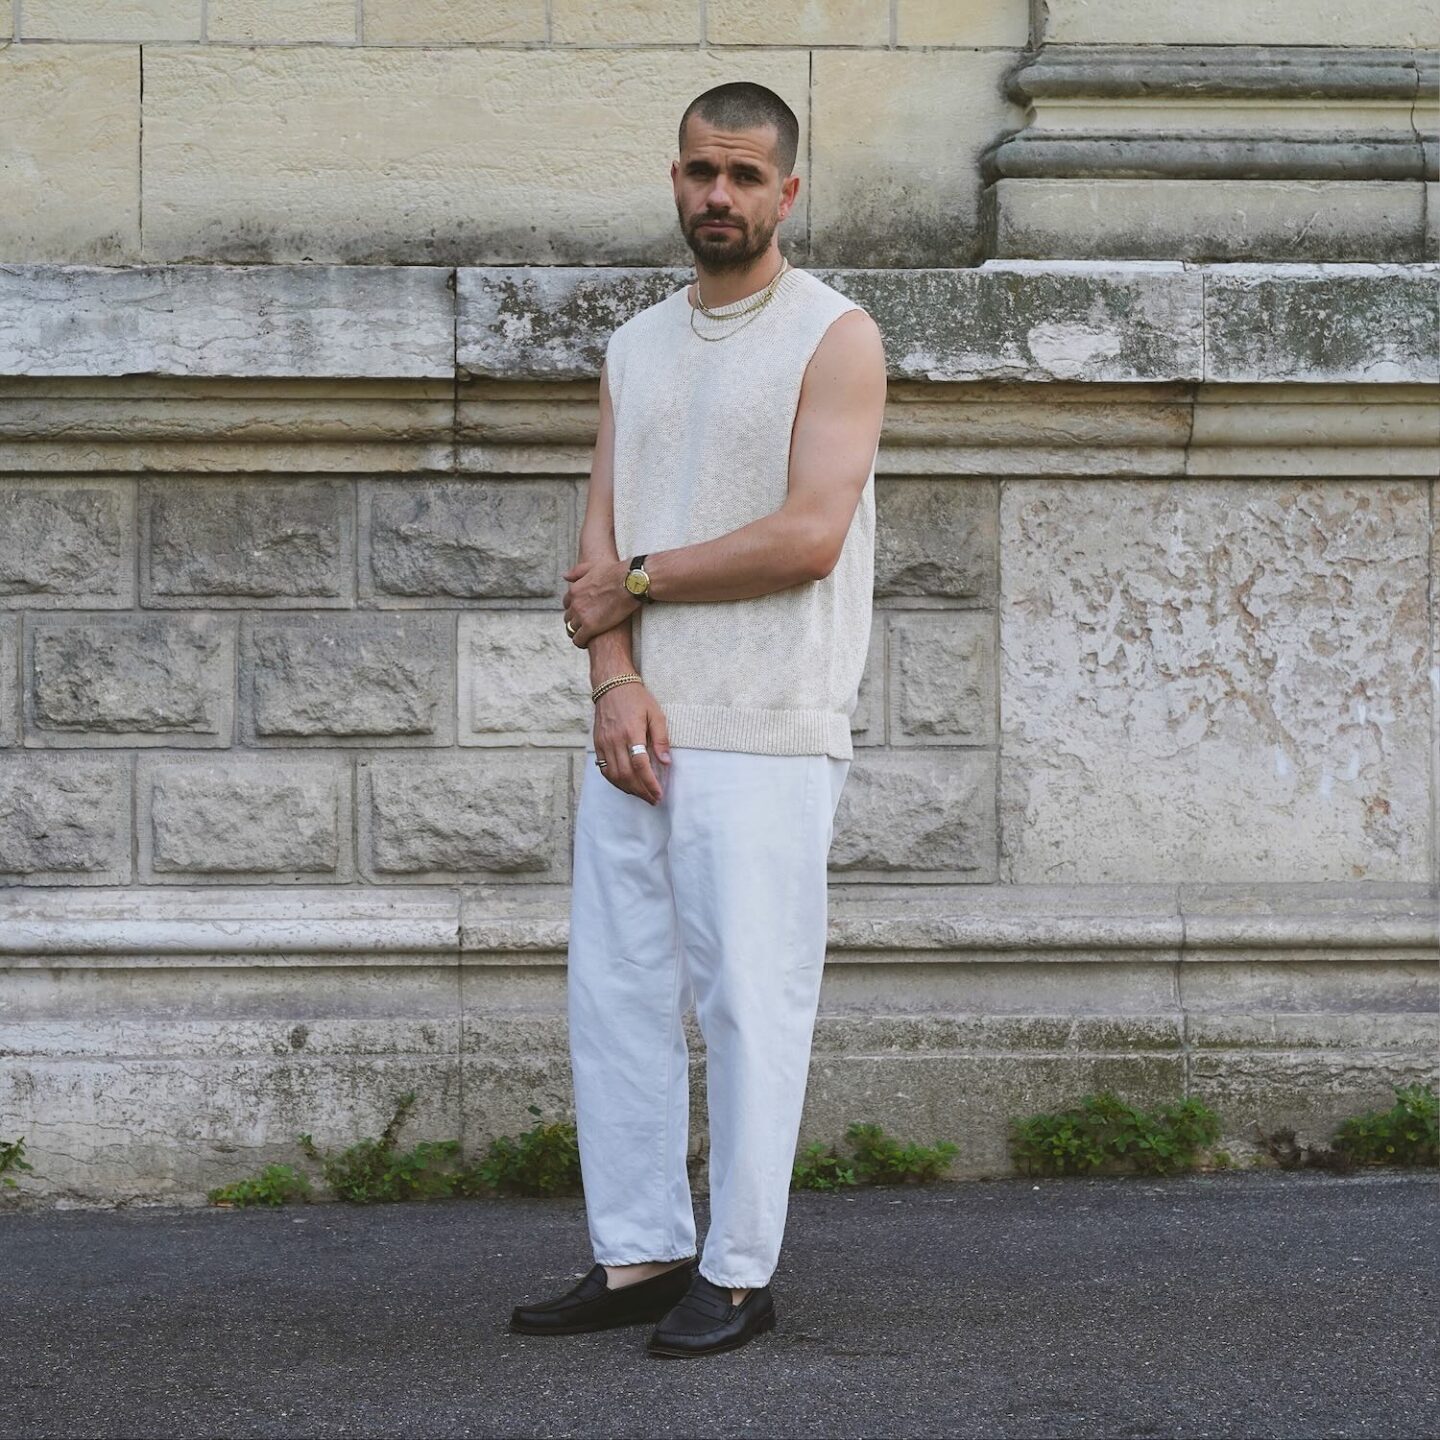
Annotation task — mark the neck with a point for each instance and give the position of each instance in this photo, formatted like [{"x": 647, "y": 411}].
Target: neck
[{"x": 727, "y": 286}]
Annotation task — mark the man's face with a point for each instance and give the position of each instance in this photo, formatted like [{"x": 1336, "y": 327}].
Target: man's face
[{"x": 729, "y": 194}]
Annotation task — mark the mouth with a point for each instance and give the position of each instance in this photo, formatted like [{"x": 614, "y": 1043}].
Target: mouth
[{"x": 717, "y": 225}]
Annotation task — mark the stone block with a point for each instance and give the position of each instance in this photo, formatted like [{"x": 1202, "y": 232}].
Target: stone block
[
  {"x": 549, "y": 322},
  {"x": 385, "y": 322},
  {"x": 935, "y": 538},
  {"x": 452, "y": 22},
  {"x": 942, "y": 678},
  {"x": 625, "y": 22},
  {"x": 1309, "y": 1091},
  {"x": 115, "y": 20},
  {"x": 335, "y": 680},
  {"x": 9, "y": 679},
  {"x": 453, "y": 817},
  {"x": 1238, "y": 22},
  {"x": 894, "y": 153},
  {"x": 67, "y": 544},
  {"x": 994, "y": 430},
  {"x": 275, "y": 932},
  {"x": 867, "y": 724},
  {"x": 65, "y": 819},
  {"x": 1217, "y": 219},
  {"x": 797, "y": 22},
  {"x": 1001, "y": 320},
  {"x": 251, "y": 543},
  {"x": 522, "y": 680},
  {"x": 927, "y": 816},
  {"x": 138, "y": 680},
  {"x": 193, "y": 1123},
  {"x": 1221, "y": 686},
  {"x": 436, "y": 542},
  {"x": 70, "y": 192},
  {"x": 228, "y": 998},
  {"x": 244, "y": 818},
  {"x": 336, "y": 159},
  {"x": 1035, "y": 320},
  {"x": 963, "y": 22},
  {"x": 250, "y": 21},
  {"x": 1316, "y": 323}
]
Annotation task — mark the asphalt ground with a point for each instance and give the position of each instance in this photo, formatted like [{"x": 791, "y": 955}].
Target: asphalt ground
[{"x": 1247, "y": 1304}]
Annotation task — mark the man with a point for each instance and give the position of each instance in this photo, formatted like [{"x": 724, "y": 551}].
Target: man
[{"x": 727, "y": 557}]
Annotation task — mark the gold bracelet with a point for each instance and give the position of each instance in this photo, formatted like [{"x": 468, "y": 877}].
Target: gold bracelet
[{"x": 599, "y": 690}]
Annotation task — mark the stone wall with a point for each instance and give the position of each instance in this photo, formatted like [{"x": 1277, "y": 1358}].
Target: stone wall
[
  {"x": 292, "y": 732},
  {"x": 933, "y": 132},
  {"x": 301, "y": 312}
]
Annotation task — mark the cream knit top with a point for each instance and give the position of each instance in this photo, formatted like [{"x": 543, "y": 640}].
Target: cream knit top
[{"x": 702, "y": 447}]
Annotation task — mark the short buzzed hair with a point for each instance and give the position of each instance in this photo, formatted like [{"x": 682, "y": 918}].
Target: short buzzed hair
[{"x": 743, "y": 105}]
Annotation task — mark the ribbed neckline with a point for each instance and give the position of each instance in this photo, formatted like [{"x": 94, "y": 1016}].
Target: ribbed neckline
[{"x": 785, "y": 285}]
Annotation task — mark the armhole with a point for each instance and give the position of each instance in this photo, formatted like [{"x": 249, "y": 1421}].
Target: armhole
[{"x": 612, "y": 382}]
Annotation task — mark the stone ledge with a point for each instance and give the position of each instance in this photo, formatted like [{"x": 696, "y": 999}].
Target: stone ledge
[
  {"x": 1279, "y": 72},
  {"x": 377, "y": 321},
  {"x": 1384, "y": 921},
  {"x": 1029, "y": 320}
]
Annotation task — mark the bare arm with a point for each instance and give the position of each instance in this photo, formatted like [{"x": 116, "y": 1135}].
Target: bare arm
[
  {"x": 837, "y": 428},
  {"x": 611, "y": 652}
]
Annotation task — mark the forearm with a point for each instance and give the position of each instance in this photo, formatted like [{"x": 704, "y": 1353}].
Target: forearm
[
  {"x": 769, "y": 554},
  {"x": 611, "y": 652}
]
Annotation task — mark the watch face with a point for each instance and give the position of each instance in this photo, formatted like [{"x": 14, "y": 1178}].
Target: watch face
[{"x": 636, "y": 581}]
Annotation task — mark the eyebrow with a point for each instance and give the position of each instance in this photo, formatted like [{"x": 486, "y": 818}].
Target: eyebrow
[{"x": 740, "y": 166}]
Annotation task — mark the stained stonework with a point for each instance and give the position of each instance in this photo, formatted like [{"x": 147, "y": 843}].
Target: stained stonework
[
  {"x": 246, "y": 542},
  {"x": 64, "y": 820},
  {"x": 522, "y": 681},
  {"x": 67, "y": 543},
  {"x": 1144, "y": 792},
  {"x": 376, "y": 679},
  {"x": 461, "y": 540},
  {"x": 252, "y": 819},
  {"x": 450, "y": 818},
  {"x": 9, "y": 679},
  {"x": 118, "y": 680},
  {"x": 1230, "y": 683}
]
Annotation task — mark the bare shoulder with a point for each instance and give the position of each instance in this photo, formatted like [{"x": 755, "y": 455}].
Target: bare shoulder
[{"x": 851, "y": 350}]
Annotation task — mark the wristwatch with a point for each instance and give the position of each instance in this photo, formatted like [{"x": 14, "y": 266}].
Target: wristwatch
[{"x": 637, "y": 582}]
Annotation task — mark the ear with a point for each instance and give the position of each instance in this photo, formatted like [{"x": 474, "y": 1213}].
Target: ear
[{"x": 789, "y": 189}]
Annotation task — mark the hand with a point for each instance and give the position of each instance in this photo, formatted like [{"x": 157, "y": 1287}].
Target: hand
[
  {"x": 597, "y": 599},
  {"x": 624, "y": 715}
]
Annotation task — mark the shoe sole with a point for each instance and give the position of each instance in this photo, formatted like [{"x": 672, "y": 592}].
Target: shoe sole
[
  {"x": 588, "y": 1326},
  {"x": 766, "y": 1322},
  {"x": 648, "y": 1317}
]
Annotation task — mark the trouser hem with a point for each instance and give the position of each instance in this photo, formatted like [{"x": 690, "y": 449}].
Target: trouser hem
[
  {"x": 646, "y": 1259},
  {"x": 738, "y": 1284}
]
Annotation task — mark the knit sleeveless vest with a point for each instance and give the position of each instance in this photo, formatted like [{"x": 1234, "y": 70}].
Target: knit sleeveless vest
[{"x": 702, "y": 447}]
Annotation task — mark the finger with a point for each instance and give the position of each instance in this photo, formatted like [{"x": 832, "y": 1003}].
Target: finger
[
  {"x": 646, "y": 778},
  {"x": 659, "y": 734},
  {"x": 624, "y": 775}
]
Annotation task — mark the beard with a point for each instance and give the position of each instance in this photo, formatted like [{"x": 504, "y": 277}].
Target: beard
[{"x": 720, "y": 251}]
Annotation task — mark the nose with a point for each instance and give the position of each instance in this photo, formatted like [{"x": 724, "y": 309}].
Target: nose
[{"x": 718, "y": 197}]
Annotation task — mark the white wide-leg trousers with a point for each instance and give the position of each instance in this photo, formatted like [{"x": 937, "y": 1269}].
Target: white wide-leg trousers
[{"x": 715, "y": 897}]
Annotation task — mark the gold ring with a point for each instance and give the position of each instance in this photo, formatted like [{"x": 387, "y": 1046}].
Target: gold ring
[{"x": 570, "y": 628}]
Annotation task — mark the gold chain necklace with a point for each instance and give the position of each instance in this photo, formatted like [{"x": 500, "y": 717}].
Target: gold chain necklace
[{"x": 753, "y": 311}]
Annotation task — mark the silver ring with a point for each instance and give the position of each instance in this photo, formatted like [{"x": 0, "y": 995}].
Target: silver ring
[
  {"x": 601, "y": 763},
  {"x": 638, "y": 748}
]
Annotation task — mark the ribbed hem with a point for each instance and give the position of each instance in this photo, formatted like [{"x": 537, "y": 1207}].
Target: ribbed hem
[{"x": 760, "y": 732}]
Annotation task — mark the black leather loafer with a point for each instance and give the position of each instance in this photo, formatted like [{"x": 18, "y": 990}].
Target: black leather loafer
[
  {"x": 706, "y": 1320},
  {"x": 590, "y": 1304}
]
